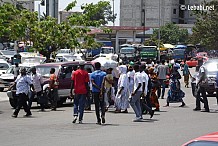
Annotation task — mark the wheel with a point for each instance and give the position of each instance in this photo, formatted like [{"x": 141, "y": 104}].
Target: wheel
[
  {"x": 61, "y": 101},
  {"x": 13, "y": 102},
  {"x": 1, "y": 89}
]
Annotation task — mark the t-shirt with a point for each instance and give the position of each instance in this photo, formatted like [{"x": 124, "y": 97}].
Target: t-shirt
[
  {"x": 145, "y": 79},
  {"x": 37, "y": 81},
  {"x": 162, "y": 71},
  {"x": 80, "y": 78},
  {"x": 107, "y": 84},
  {"x": 97, "y": 76},
  {"x": 22, "y": 84},
  {"x": 201, "y": 72},
  {"x": 137, "y": 79},
  {"x": 53, "y": 77}
]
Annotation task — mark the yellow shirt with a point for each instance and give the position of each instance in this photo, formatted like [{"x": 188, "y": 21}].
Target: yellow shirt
[{"x": 109, "y": 77}]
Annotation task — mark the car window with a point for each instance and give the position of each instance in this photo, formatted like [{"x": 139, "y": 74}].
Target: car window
[
  {"x": 203, "y": 143},
  {"x": 4, "y": 66}
]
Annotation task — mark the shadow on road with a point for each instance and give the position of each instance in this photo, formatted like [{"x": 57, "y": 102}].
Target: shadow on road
[{"x": 1, "y": 112}]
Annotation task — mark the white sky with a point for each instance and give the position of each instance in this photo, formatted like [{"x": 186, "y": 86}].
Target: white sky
[{"x": 64, "y": 3}]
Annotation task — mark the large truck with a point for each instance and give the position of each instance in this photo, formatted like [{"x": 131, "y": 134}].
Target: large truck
[
  {"x": 148, "y": 53},
  {"x": 179, "y": 54},
  {"x": 128, "y": 52},
  {"x": 97, "y": 51}
]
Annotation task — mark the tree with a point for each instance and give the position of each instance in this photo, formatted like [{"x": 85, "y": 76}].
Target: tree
[
  {"x": 205, "y": 29},
  {"x": 171, "y": 33}
]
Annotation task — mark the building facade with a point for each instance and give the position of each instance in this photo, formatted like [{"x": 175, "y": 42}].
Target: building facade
[
  {"x": 29, "y": 5},
  {"x": 153, "y": 13}
]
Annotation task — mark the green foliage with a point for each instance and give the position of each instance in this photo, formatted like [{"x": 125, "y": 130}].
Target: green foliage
[
  {"x": 47, "y": 35},
  {"x": 171, "y": 33},
  {"x": 205, "y": 29}
]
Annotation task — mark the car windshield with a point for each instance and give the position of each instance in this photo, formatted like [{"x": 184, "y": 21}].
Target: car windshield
[
  {"x": 4, "y": 66},
  {"x": 45, "y": 70},
  {"x": 127, "y": 50},
  {"x": 179, "y": 51},
  {"x": 72, "y": 58},
  {"x": 107, "y": 50},
  {"x": 203, "y": 143},
  {"x": 64, "y": 51},
  {"x": 148, "y": 49},
  {"x": 212, "y": 65},
  {"x": 10, "y": 70},
  {"x": 5, "y": 52}
]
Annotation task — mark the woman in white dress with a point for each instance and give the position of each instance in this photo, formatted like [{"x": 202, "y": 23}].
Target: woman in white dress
[{"x": 121, "y": 101}]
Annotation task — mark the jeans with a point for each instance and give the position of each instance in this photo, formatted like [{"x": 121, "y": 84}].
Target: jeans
[
  {"x": 135, "y": 103},
  {"x": 163, "y": 85},
  {"x": 99, "y": 103},
  {"x": 201, "y": 91},
  {"x": 22, "y": 102},
  {"x": 88, "y": 100},
  {"x": 33, "y": 94},
  {"x": 79, "y": 105}
]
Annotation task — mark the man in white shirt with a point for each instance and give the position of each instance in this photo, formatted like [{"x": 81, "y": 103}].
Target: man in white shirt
[
  {"x": 37, "y": 83},
  {"x": 145, "y": 79},
  {"x": 136, "y": 94}
]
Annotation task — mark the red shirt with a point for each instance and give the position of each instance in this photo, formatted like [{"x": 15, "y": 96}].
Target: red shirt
[{"x": 80, "y": 78}]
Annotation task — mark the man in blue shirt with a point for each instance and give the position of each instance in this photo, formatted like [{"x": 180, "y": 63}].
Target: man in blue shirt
[{"x": 97, "y": 78}]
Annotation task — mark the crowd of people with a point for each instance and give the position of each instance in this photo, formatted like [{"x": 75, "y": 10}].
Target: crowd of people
[{"x": 137, "y": 85}]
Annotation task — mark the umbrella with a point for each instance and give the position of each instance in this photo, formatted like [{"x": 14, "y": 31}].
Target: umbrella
[
  {"x": 169, "y": 46},
  {"x": 181, "y": 46}
]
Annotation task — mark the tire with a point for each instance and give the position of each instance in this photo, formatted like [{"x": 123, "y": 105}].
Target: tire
[
  {"x": 61, "y": 101},
  {"x": 13, "y": 102},
  {"x": 1, "y": 89}
]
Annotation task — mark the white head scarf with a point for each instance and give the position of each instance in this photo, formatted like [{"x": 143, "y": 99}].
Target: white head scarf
[{"x": 122, "y": 69}]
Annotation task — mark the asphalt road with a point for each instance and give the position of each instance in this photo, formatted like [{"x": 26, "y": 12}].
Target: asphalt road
[{"x": 172, "y": 126}]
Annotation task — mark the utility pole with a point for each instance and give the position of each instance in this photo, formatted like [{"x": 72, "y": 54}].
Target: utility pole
[
  {"x": 113, "y": 14},
  {"x": 159, "y": 32}
]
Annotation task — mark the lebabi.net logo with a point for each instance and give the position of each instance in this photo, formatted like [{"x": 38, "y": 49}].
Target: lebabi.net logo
[{"x": 197, "y": 7}]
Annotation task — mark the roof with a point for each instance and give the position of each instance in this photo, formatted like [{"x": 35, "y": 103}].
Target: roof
[{"x": 62, "y": 63}]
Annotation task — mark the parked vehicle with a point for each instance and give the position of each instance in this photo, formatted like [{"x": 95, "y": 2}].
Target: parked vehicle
[
  {"x": 148, "y": 52},
  {"x": 6, "y": 54},
  {"x": 128, "y": 52},
  {"x": 205, "y": 140},
  {"x": 4, "y": 65},
  {"x": 211, "y": 67},
  {"x": 63, "y": 70}
]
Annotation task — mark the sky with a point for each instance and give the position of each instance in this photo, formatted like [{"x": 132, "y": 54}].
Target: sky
[{"x": 64, "y": 3}]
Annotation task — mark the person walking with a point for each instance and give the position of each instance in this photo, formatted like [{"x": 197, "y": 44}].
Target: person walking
[
  {"x": 16, "y": 71},
  {"x": 108, "y": 82},
  {"x": 162, "y": 71},
  {"x": 201, "y": 83},
  {"x": 121, "y": 101},
  {"x": 186, "y": 74},
  {"x": 53, "y": 89},
  {"x": 80, "y": 85},
  {"x": 97, "y": 78},
  {"x": 136, "y": 94},
  {"x": 22, "y": 84},
  {"x": 175, "y": 94},
  {"x": 37, "y": 83},
  {"x": 154, "y": 86},
  {"x": 130, "y": 75}
]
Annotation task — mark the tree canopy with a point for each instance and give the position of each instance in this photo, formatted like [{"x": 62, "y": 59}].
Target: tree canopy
[
  {"x": 47, "y": 35},
  {"x": 171, "y": 34},
  {"x": 205, "y": 29}
]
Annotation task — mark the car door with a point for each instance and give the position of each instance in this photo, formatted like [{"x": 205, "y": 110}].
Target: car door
[{"x": 64, "y": 79}]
